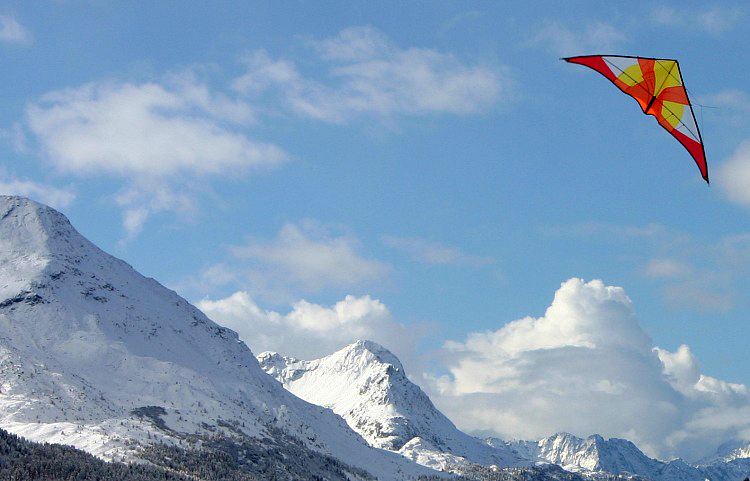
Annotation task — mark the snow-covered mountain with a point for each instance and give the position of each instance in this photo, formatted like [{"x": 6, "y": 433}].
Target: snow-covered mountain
[
  {"x": 94, "y": 355},
  {"x": 595, "y": 455},
  {"x": 591, "y": 454},
  {"x": 729, "y": 451},
  {"x": 366, "y": 385}
]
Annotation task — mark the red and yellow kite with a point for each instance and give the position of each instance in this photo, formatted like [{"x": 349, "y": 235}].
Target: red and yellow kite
[{"x": 657, "y": 86}]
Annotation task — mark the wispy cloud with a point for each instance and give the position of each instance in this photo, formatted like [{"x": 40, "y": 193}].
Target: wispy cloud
[
  {"x": 690, "y": 273},
  {"x": 589, "y": 358},
  {"x": 47, "y": 194},
  {"x": 16, "y": 137},
  {"x": 565, "y": 40},
  {"x": 434, "y": 253},
  {"x": 11, "y": 31},
  {"x": 651, "y": 231},
  {"x": 368, "y": 75},
  {"x": 303, "y": 258},
  {"x": 730, "y": 106},
  {"x": 703, "y": 291},
  {"x": 166, "y": 138},
  {"x": 157, "y": 136},
  {"x": 714, "y": 20},
  {"x": 666, "y": 268}
]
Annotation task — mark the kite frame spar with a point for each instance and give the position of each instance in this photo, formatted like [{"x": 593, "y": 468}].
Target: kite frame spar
[{"x": 613, "y": 72}]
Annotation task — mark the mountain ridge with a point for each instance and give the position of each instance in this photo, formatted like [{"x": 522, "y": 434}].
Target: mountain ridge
[
  {"x": 97, "y": 356},
  {"x": 365, "y": 385}
]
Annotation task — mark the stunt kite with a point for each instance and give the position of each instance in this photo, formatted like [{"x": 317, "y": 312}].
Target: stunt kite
[{"x": 656, "y": 84}]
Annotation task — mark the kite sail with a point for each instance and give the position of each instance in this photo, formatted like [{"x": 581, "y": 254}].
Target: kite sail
[{"x": 658, "y": 87}]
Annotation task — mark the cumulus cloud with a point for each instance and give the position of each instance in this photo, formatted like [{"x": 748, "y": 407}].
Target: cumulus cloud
[
  {"x": 564, "y": 40},
  {"x": 156, "y": 136},
  {"x": 681, "y": 368},
  {"x": 47, "y": 194},
  {"x": 433, "y": 253},
  {"x": 586, "y": 367},
  {"x": 11, "y": 31},
  {"x": 367, "y": 74},
  {"x": 310, "y": 331}
]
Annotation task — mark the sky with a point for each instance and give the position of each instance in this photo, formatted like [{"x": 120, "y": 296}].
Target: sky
[{"x": 428, "y": 175}]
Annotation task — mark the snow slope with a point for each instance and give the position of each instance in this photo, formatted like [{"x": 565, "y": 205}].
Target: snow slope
[
  {"x": 729, "y": 451},
  {"x": 595, "y": 455},
  {"x": 93, "y": 354},
  {"x": 366, "y": 385}
]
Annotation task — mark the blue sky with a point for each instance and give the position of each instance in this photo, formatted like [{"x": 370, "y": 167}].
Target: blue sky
[{"x": 426, "y": 174}]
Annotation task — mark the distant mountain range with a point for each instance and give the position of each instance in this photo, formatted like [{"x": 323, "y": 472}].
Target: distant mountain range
[
  {"x": 366, "y": 385},
  {"x": 96, "y": 356}
]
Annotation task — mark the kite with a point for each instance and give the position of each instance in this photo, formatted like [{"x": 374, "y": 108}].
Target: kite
[{"x": 656, "y": 84}]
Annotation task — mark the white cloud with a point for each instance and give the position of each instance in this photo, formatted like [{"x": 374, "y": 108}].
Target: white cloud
[
  {"x": 52, "y": 196},
  {"x": 680, "y": 367},
  {"x": 307, "y": 257},
  {"x": 713, "y": 20},
  {"x": 730, "y": 106},
  {"x": 156, "y": 136},
  {"x": 691, "y": 273},
  {"x": 141, "y": 130},
  {"x": 356, "y": 44},
  {"x": 16, "y": 137},
  {"x": 666, "y": 268},
  {"x": 705, "y": 291},
  {"x": 733, "y": 176},
  {"x": 433, "y": 253},
  {"x": 13, "y": 32},
  {"x": 566, "y": 41},
  {"x": 368, "y": 75},
  {"x": 650, "y": 231},
  {"x": 728, "y": 99},
  {"x": 310, "y": 331},
  {"x": 586, "y": 367}
]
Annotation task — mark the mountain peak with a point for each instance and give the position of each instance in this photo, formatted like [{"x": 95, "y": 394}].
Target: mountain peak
[
  {"x": 364, "y": 351},
  {"x": 32, "y": 238},
  {"x": 595, "y": 453},
  {"x": 27, "y": 226},
  {"x": 366, "y": 384},
  {"x": 94, "y": 354}
]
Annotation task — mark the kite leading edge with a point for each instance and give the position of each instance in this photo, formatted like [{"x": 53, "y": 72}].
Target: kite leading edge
[{"x": 657, "y": 86}]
